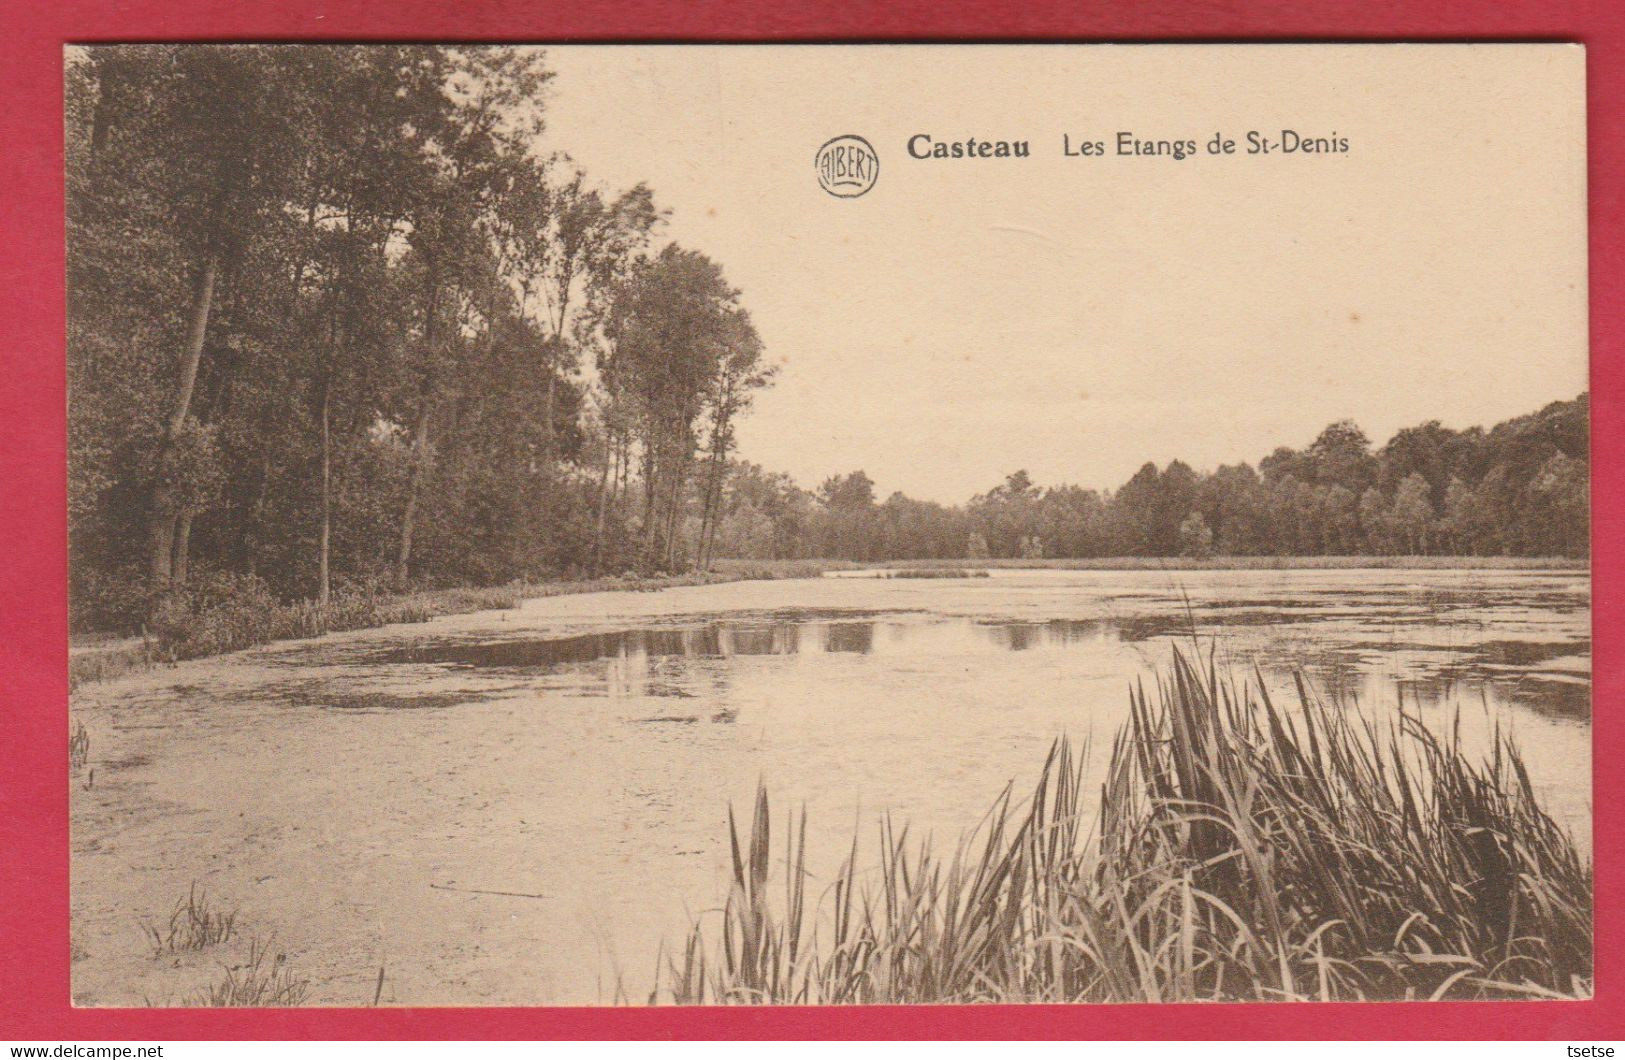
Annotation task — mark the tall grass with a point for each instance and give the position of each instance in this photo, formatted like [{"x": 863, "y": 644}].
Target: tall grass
[
  {"x": 105, "y": 663},
  {"x": 265, "y": 979},
  {"x": 231, "y": 613},
  {"x": 194, "y": 924},
  {"x": 1239, "y": 851},
  {"x": 78, "y": 745}
]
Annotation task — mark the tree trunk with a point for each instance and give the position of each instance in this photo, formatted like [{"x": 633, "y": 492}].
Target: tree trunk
[
  {"x": 719, "y": 474},
  {"x": 547, "y": 413},
  {"x": 183, "y": 541},
  {"x": 420, "y": 435},
  {"x": 323, "y": 582},
  {"x": 650, "y": 468},
  {"x": 251, "y": 532},
  {"x": 702, "y": 547},
  {"x": 705, "y": 528},
  {"x": 667, "y": 504},
  {"x": 623, "y": 471},
  {"x": 603, "y": 509},
  {"x": 673, "y": 513},
  {"x": 165, "y": 505},
  {"x": 716, "y": 522},
  {"x": 161, "y": 543},
  {"x": 420, "y": 467},
  {"x": 708, "y": 512},
  {"x": 701, "y": 561}
]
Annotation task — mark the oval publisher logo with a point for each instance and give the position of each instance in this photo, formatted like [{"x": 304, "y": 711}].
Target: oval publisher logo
[{"x": 847, "y": 166}]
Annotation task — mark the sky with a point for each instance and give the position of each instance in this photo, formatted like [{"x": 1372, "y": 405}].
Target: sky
[{"x": 1078, "y": 316}]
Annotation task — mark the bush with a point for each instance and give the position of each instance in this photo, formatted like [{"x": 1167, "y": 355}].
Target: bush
[
  {"x": 107, "y": 601},
  {"x": 216, "y": 613}
]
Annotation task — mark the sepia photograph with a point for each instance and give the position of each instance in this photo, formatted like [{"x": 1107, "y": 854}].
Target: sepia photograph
[{"x": 777, "y": 524}]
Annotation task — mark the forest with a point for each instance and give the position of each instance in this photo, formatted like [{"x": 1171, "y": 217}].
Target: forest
[
  {"x": 335, "y": 325},
  {"x": 338, "y": 327},
  {"x": 1519, "y": 488}
]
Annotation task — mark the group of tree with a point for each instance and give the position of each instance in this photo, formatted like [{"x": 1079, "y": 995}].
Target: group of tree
[
  {"x": 335, "y": 319},
  {"x": 1519, "y": 488}
]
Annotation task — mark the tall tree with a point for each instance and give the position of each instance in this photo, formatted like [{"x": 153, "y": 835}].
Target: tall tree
[
  {"x": 189, "y": 151},
  {"x": 672, "y": 322},
  {"x": 739, "y": 372}
]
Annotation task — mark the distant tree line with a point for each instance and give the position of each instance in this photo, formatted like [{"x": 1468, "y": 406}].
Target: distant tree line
[
  {"x": 334, "y": 322},
  {"x": 1519, "y": 488}
]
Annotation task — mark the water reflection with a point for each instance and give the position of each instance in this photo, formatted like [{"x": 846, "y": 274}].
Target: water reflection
[
  {"x": 722, "y": 639},
  {"x": 850, "y": 636},
  {"x": 1337, "y": 652},
  {"x": 716, "y": 640}
]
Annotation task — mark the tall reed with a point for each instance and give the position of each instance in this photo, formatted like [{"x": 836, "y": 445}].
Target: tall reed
[
  {"x": 1238, "y": 851},
  {"x": 264, "y": 980},
  {"x": 194, "y": 924},
  {"x": 78, "y": 745}
]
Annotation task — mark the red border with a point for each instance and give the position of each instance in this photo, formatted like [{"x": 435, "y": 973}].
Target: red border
[{"x": 33, "y": 618}]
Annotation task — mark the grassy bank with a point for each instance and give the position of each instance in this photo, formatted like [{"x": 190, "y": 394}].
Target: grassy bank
[
  {"x": 1240, "y": 851},
  {"x": 232, "y": 614}
]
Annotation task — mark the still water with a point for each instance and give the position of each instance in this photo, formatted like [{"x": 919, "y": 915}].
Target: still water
[{"x": 579, "y": 755}]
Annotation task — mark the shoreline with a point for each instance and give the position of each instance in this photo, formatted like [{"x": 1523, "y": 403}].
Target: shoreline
[
  {"x": 98, "y": 657},
  {"x": 1133, "y": 563}
]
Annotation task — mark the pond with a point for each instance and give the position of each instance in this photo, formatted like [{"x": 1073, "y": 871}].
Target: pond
[{"x": 519, "y": 807}]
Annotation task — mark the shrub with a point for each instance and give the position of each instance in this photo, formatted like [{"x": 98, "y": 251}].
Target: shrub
[
  {"x": 217, "y": 613},
  {"x": 116, "y": 601}
]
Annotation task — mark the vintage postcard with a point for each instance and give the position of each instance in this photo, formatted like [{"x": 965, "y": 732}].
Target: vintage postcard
[{"x": 820, "y": 525}]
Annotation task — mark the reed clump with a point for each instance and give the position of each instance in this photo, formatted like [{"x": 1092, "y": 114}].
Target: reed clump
[
  {"x": 264, "y": 980},
  {"x": 1240, "y": 851},
  {"x": 195, "y": 924},
  {"x": 105, "y": 663},
  {"x": 78, "y": 745},
  {"x": 230, "y": 612}
]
